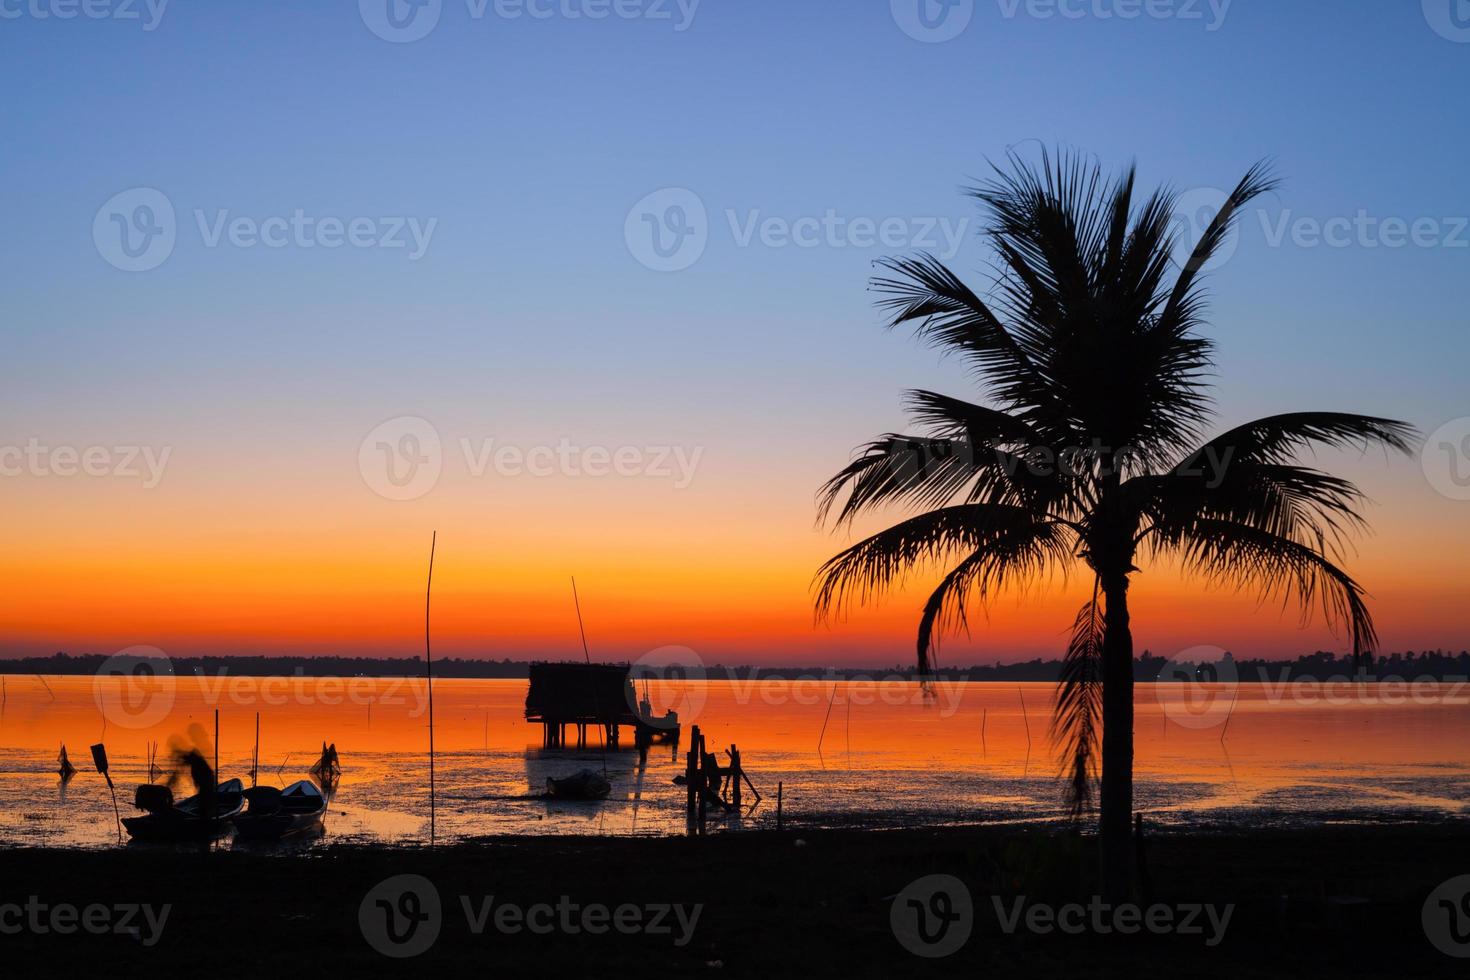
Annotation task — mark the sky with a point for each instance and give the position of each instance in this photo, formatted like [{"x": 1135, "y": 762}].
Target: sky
[{"x": 581, "y": 286}]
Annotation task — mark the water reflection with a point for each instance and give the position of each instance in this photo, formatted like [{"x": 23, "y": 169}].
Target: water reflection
[{"x": 847, "y": 753}]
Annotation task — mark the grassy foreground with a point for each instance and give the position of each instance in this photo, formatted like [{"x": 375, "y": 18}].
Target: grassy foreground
[{"x": 1337, "y": 901}]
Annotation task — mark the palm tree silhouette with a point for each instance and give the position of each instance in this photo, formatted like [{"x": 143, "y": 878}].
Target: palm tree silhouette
[{"x": 1090, "y": 451}]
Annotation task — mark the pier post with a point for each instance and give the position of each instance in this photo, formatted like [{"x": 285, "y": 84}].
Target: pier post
[
  {"x": 691, "y": 777},
  {"x": 735, "y": 774}
]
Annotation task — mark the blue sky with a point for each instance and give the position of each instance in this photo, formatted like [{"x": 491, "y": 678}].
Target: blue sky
[{"x": 526, "y": 141}]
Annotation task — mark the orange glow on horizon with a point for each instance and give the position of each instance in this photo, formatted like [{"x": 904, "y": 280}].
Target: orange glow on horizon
[{"x": 318, "y": 565}]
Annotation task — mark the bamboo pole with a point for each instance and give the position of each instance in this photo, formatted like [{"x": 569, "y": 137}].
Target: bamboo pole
[
  {"x": 429, "y": 673},
  {"x": 99, "y": 760},
  {"x": 830, "y": 702}
]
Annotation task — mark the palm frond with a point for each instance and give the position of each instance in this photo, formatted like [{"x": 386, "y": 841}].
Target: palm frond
[
  {"x": 925, "y": 471},
  {"x": 996, "y": 544},
  {"x": 1077, "y": 721},
  {"x": 1279, "y": 438},
  {"x": 922, "y": 291},
  {"x": 1249, "y": 558},
  {"x": 1185, "y": 297}
]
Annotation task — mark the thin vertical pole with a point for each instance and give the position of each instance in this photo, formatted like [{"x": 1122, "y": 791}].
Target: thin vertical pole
[
  {"x": 582, "y": 629},
  {"x": 1024, "y": 717},
  {"x": 216, "y": 746},
  {"x": 830, "y": 702},
  {"x": 255, "y": 755},
  {"x": 429, "y": 673}
]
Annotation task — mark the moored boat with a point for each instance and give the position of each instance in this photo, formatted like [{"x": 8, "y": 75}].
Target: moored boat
[
  {"x": 203, "y": 816},
  {"x": 276, "y": 813},
  {"x": 585, "y": 785}
]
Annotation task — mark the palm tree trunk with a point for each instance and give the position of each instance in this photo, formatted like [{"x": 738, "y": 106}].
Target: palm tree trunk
[{"x": 1117, "y": 743}]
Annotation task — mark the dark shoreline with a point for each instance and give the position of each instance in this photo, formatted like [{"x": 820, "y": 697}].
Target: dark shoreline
[
  {"x": 1343, "y": 901},
  {"x": 1436, "y": 665}
]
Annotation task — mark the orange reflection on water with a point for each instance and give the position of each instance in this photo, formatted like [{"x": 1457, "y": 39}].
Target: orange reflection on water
[{"x": 878, "y": 752}]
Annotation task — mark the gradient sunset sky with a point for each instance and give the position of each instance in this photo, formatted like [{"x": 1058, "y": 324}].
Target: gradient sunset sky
[{"x": 532, "y": 317}]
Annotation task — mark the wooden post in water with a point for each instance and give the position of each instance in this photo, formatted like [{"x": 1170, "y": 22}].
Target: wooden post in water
[
  {"x": 255, "y": 754},
  {"x": 691, "y": 777},
  {"x": 216, "y": 748},
  {"x": 735, "y": 776},
  {"x": 704, "y": 776},
  {"x": 780, "y": 787}
]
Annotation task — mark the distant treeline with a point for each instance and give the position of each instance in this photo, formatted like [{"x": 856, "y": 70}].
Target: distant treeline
[{"x": 1439, "y": 664}]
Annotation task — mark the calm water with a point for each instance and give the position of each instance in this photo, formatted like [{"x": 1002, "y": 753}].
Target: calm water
[{"x": 849, "y": 753}]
